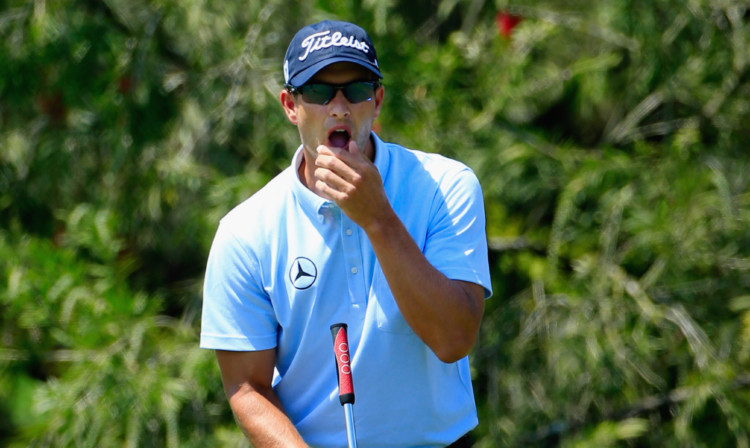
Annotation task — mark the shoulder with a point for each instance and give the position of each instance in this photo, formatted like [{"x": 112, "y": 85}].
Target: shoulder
[
  {"x": 412, "y": 165},
  {"x": 259, "y": 213}
]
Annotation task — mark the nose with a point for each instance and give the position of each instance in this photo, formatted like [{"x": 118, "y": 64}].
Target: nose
[{"x": 339, "y": 105}]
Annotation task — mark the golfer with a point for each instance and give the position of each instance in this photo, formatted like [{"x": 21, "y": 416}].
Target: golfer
[{"x": 386, "y": 239}]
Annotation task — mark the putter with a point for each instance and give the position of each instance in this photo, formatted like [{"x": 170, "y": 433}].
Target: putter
[{"x": 344, "y": 375}]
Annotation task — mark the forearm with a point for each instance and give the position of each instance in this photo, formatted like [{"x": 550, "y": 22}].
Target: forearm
[
  {"x": 442, "y": 312},
  {"x": 260, "y": 415}
]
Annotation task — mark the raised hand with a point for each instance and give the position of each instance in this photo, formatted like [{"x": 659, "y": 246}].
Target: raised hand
[{"x": 351, "y": 180}]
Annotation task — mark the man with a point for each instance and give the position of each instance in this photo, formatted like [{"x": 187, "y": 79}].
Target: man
[{"x": 388, "y": 240}]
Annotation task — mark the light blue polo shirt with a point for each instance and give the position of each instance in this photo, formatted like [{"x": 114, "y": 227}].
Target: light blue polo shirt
[{"x": 286, "y": 264}]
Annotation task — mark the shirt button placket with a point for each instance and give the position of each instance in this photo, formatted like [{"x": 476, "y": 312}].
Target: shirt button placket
[{"x": 353, "y": 260}]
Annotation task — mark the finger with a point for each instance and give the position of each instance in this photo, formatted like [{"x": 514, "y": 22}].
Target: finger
[
  {"x": 324, "y": 150},
  {"x": 326, "y": 158},
  {"x": 328, "y": 153},
  {"x": 332, "y": 179},
  {"x": 331, "y": 192},
  {"x": 324, "y": 190},
  {"x": 338, "y": 161},
  {"x": 344, "y": 154}
]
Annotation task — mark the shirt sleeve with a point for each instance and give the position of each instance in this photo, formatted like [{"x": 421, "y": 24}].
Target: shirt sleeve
[
  {"x": 237, "y": 313},
  {"x": 456, "y": 241}
]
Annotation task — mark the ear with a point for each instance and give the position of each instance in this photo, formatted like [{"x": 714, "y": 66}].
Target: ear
[
  {"x": 290, "y": 105},
  {"x": 379, "y": 94}
]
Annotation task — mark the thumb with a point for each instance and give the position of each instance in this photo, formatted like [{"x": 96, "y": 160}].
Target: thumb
[{"x": 353, "y": 148}]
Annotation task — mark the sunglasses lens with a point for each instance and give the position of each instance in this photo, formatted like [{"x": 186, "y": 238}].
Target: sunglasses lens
[
  {"x": 355, "y": 92},
  {"x": 317, "y": 93}
]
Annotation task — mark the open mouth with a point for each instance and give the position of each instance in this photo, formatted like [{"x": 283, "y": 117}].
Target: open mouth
[{"x": 339, "y": 138}]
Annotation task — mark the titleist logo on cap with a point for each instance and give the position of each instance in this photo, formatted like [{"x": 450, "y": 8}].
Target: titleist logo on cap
[
  {"x": 318, "y": 41},
  {"x": 318, "y": 45}
]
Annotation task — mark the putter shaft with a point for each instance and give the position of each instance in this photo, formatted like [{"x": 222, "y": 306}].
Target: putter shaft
[{"x": 351, "y": 436}]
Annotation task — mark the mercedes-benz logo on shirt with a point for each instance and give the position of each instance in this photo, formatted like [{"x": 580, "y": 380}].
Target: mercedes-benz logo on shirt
[{"x": 303, "y": 273}]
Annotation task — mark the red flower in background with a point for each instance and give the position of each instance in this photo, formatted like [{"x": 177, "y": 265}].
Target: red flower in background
[
  {"x": 505, "y": 22},
  {"x": 124, "y": 84},
  {"x": 53, "y": 105}
]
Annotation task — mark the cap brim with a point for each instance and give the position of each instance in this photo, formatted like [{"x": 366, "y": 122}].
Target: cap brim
[{"x": 302, "y": 77}]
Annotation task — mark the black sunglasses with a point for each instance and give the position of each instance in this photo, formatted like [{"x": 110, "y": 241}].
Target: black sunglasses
[{"x": 321, "y": 93}]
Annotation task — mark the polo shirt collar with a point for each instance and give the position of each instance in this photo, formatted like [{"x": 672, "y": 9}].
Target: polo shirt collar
[
  {"x": 382, "y": 157},
  {"x": 314, "y": 205}
]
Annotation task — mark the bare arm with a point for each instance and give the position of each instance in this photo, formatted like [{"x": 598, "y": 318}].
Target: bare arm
[
  {"x": 444, "y": 313},
  {"x": 247, "y": 378}
]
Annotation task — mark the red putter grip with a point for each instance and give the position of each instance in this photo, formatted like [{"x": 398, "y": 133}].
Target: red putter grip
[{"x": 343, "y": 363}]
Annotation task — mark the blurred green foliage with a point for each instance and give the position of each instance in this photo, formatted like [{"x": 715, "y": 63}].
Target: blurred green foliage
[{"x": 610, "y": 138}]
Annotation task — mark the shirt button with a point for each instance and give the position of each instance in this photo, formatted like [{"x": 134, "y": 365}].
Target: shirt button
[
  {"x": 354, "y": 270},
  {"x": 349, "y": 232}
]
